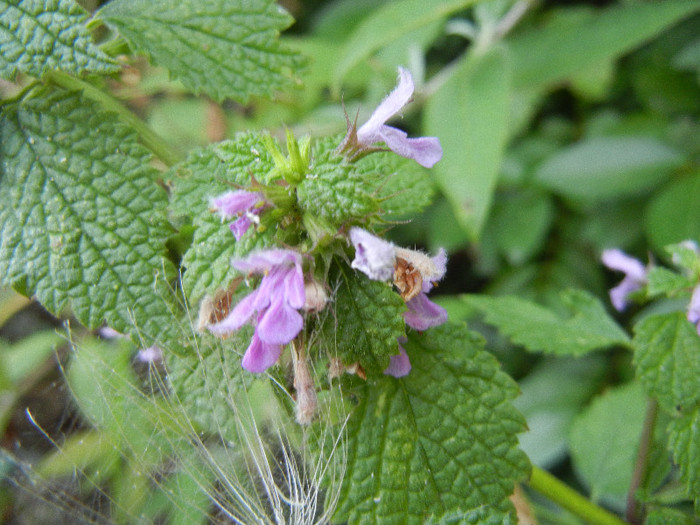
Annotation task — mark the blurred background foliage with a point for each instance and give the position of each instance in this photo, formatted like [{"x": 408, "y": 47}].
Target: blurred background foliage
[{"x": 568, "y": 128}]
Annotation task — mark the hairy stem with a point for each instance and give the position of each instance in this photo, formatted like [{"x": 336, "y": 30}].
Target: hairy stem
[
  {"x": 151, "y": 140},
  {"x": 546, "y": 484},
  {"x": 642, "y": 462}
]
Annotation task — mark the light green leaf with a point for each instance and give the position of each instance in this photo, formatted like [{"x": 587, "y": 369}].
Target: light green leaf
[
  {"x": 604, "y": 441},
  {"x": 662, "y": 281},
  {"x": 366, "y": 321},
  {"x": 549, "y": 417},
  {"x": 587, "y": 327},
  {"x": 438, "y": 441},
  {"x": 388, "y": 23},
  {"x": 667, "y": 357},
  {"x": 560, "y": 48},
  {"x": 22, "y": 358},
  {"x": 223, "y": 48},
  {"x": 673, "y": 215},
  {"x": 607, "y": 168},
  {"x": 469, "y": 114},
  {"x": 83, "y": 217},
  {"x": 684, "y": 441},
  {"x": 37, "y": 36}
]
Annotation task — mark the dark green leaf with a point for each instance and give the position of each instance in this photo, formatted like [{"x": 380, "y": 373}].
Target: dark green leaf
[
  {"x": 606, "y": 168},
  {"x": 223, "y": 48},
  {"x": 366, "y": 321},
  {"x": 587, "y": 328},
  {"x": 667, "y": 356},
  {"x": 82, "y": 216},
  {"x": 44, "y": 35},
  {"x": 438, "y": 441}
]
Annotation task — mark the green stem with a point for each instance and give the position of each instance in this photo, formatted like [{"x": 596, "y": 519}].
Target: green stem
[
  {"x": 642, "y": 462},
  {"x": 546, "y": 484},
  {"x": 150, "y": 139}
]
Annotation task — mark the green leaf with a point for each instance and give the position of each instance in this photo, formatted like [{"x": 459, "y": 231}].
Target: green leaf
[
  {"x": 388, "y": 23},
  {"x": 216, "y": 169},
  {"x": 82, "y": 216},
  {"x": 470, "y": 115},
  {"x": 438, "y": 441},
  {"x": 604, "y": 441},
  {"x": 22, "y": 358},
  {"x": 366, "y": 321},
  {"x": 587, "y": 326},
  {"x": 44, "y": 35},
  {"x": 335, "y": 191},
  {"x": 668, "y": 516},
  {"x": 667, "y": 357},
  {"x": 402, "y": 185},
  {"x": 549, "y": 417},
  {"x": 207, "y": 380},
  {"x": 519, "y": 224},
  {"x": 662, "y": 281},
  {"x": 684, "y": 441},
  {"x": 607, "y": 168},
  {"x": 223, "y": 48},
  {"x": 560, "y": 48},
  {"x": 673, "y": 215}
]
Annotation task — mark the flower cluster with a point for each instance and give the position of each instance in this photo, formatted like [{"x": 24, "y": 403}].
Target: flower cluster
[
  {"x": 276, "y": 306},
  {"x": 413, "y": 273}
]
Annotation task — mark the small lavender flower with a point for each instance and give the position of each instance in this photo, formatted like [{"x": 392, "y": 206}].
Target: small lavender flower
[
  {"x": 635, "y": 276},
  {"x": 426, "y": 151},
  {"x": 276, "y": 301},
  {"x": 246, "y": 205},
  {"x": 151, "y": 354},
  {"x": 374, "y": 257},
  {"x": 694, "y": 308},
  {"x": 399, "y": 365}
]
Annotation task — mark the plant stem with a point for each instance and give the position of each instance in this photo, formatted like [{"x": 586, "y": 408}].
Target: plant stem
[
  {"x": 640, "y": 465},
  {"x": 149, "y": 138},
  {"x": 546, "y": 484}
]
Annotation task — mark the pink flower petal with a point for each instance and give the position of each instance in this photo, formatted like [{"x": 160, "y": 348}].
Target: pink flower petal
[
  {"x": 426, "y": 151},
  {"x": 234, "y": 202},
  {"x": 423, "y": 313},
  {"x": 400, "y": 365},
  {"x": 374, "y": 257},
  {"x": 279, "y": 324},
  {"x": 369, "y": 132},
  {"x": 239, "y": 316},
  {"x": 260, "y": 355}
]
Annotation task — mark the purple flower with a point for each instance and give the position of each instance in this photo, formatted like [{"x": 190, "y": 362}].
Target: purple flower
[
  {"x": 635, "y": 276},
  {"x": 399, "y": 365},
  {"x": 246, "y": 205},
  {"x": 276, "y": 301},
  {"x": 426, "y": 151},
  {"x": 694, "y": 308},
  {"x": 374, "y": 257},
  {"x": 422, "y": 313}
]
